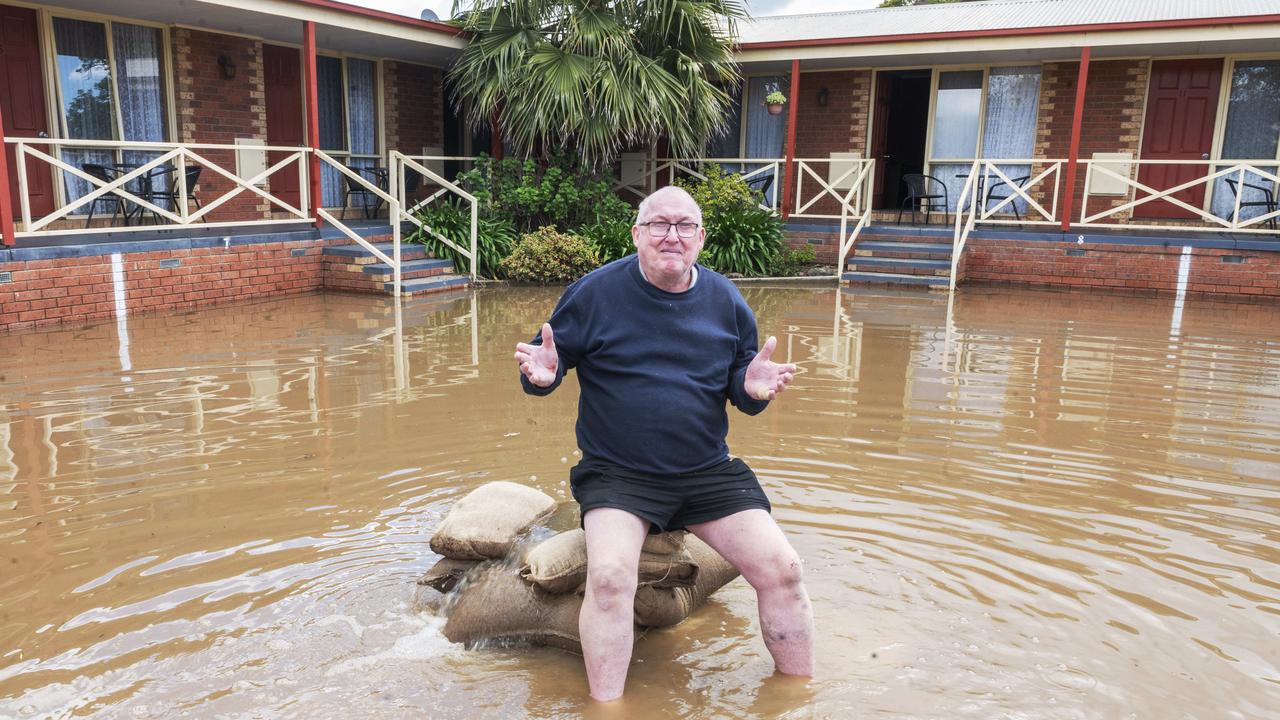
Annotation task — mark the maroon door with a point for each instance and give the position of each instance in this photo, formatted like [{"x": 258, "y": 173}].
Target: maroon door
[
  {"x": 1182, "y": 105},
  {"x": 283, "y": 69},
  {"x": 22, "y": 103},
  {"x": 880, "y": 135}
]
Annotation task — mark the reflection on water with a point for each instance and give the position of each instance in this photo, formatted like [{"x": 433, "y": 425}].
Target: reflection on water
[{"x": 1025, "y": 504}]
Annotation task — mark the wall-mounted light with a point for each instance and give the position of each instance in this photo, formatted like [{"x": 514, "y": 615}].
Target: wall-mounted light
[
  {"x": 228, "y": 66},
  {"x": 823, "y": 95}
]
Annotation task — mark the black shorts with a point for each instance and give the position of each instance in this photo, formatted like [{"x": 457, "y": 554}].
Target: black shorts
[{"x": 669, "y": 502}]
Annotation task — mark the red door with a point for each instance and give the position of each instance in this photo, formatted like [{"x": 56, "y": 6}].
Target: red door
[
  {"x": 283, "y": 69},
  {"x": 1182, "y": 105},
  {"x": 22, "y": 103},
  {"x": 880, "y": 135}
]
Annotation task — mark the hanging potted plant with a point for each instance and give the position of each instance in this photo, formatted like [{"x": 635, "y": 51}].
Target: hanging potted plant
[{"x": 774, "y": 101}]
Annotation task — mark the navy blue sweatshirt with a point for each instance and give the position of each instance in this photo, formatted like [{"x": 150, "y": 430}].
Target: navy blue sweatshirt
[{"x": 655, "y": 368}]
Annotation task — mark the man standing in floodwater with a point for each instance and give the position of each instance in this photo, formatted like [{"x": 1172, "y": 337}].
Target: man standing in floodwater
[{"x": 660, "y": 344}]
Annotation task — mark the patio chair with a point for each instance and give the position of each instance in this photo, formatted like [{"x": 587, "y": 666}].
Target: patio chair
[
  {"x": 166, "y": 179},
  {"x": 1267, "y": 203},
  {"x": 369, "y": 202},
  {"x": 923, "y": 194},
  {"x": 761, "y": 184},
  {"x": 106, "y": 175},
  {"x": 992, "y": 195}
]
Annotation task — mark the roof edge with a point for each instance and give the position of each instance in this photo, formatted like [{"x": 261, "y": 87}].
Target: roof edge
[
  {"x": 1013, "y": 32},
  {"x": 434, "y": 26}
]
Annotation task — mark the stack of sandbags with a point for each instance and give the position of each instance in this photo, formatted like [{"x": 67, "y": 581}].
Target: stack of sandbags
[{"x": 535, "y": 594}]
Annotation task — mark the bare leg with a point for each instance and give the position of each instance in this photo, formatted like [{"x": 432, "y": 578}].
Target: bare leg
[
  {"x": 606, "y": 623},
  {"x": 754, "y": 544}
]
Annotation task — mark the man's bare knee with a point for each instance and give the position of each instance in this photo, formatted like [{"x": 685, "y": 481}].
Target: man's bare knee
[
  {"x": 610, "y": 583},
  {"x": 782, "y": 571}
]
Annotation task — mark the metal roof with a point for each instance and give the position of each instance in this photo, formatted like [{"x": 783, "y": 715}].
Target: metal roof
[{"x": 991, "y": 15}]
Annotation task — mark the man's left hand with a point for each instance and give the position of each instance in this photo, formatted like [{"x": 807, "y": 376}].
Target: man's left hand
[{"x": 766, "y": 378}]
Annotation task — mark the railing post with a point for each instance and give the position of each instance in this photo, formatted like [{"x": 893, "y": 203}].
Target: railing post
[
  {"x": 312, "y": 92},
  {"x": 1077, "y": 119},
  {"x": 181, "y": 179},
  {"x": 789, "y": 169}
]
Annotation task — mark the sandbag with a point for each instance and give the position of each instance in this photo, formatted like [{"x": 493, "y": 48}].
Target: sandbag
[
  {"x": 498, "y": 605},
  {"x": 665, "y": 606},
  {"x": 446, "y": 573},
  {"x": 486, "y": 523},
  {"x": 559, "y": 564}
]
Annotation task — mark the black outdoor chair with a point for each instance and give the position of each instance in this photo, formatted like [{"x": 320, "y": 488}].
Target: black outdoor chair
[
  {"x": 115, "y": 202},
  {"x": 999, "y": 197},
  {"x": 369, "y": 201},
  {"x": 1267, "y": 203},
  {"x": 163, "y": 187},
  {"x": 761, "y": 184},
  {"x": 923, "y": 194}
]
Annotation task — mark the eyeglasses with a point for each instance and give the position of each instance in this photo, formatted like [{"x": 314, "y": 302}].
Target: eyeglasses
[{"x": 659, "y": 229}]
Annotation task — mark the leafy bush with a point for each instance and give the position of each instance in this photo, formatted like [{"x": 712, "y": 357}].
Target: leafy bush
[
  {"x": 561, "y": 193},
  {"x": 742, "y": 237},
  {"x": 546, "y": 256},
  {"x": 452, "y": 219},
  {"x": 791, "y": 262},
  {"x": 612, "y": 239}
]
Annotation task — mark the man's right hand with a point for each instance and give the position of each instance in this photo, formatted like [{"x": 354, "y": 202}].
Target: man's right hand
[{"x": 539, "y": 362}]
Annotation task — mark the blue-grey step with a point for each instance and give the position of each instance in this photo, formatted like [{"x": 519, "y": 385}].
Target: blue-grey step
[
  {"x": 895, "y": 279},
  {"x": 359, "y": 250},
  {"x": 885, "y": 245},
  {"x": 427, "y": 284},
  {"x": 408, "y": 266},
  {"x": 867, "y": 261}
]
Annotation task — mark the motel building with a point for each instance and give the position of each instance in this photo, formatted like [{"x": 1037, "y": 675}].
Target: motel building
[{"x": 166, "y": 155}]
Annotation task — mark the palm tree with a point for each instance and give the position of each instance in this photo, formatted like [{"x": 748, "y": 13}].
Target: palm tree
[{"x": 597, "y": 76}]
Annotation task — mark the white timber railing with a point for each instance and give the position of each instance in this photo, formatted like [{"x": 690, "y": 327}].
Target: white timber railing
[
  {"x": 855, "y": 204},
  {"x": 399, "y": 167},
  {"x": 392, "y": 202},
  {"x": 762, "y": 174}
]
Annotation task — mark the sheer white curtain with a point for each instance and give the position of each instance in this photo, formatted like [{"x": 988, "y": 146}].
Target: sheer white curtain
[
  {"x": 765, "y": 133},
  {"x": 1252, "y": 132},
  {"x": 955, "y": 128},
  {"x": 1013, "y": 96},
  {"x": 139, "y": 87},
  {"x": 84, "y": 79},
  {"x": 333, "y": 129}
]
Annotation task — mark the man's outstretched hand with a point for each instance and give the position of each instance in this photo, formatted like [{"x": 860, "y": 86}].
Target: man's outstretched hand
[
  {"x": 765, "y": 378},
  {"x": 540, "y": 362}
]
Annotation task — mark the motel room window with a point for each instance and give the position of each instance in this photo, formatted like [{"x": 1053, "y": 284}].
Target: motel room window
[
  {"x": 766, "y": 133},
  {"x": 110, "y": 87},
  {"x": 348, "y": 92},
  {"x": 966, "y": 128},
  {"x": 1252, "y": 132}
]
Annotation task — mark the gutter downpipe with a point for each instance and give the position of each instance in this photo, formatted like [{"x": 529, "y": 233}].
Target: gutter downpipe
[
  {"x": 6, "y": 199},
  {"x": 788, "y": 173},
  {"x": 311, "y": 89}
]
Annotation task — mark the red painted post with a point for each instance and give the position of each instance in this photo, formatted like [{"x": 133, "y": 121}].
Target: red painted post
[
  {"x": 6, "y": 199},
  {"x": 1074, "y": 155},
  {"x": 312, "y": 92},
  {"x": 788, "y": 167}
]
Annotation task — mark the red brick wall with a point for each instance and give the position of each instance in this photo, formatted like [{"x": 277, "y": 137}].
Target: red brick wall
[
  {"x": 414, "y": 107},
  {"x": 1121, "y": 267},
  {"x": 47, "y": 292},
  {"x": 1112, "y": 121},
  {"x": 840, "y": 126},
  {"x": 214, "y": 109}
]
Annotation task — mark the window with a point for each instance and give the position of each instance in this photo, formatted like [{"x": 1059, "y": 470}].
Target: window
[
  {"x": 111, "y": 87},
  {"x": 348, "y": 105},
  {"x": 1252, "y": 132},
  {"x": 966, "y": 128}
]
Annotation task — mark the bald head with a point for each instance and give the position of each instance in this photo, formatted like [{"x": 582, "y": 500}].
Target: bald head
[{"x": 670, "y": 192}]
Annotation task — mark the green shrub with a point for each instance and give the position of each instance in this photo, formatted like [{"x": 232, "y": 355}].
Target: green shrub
[
  {"x": 746, "y": 241},
  {"x": 546, "y": 256},
  {"x": 452, "y": 219},
  {"x": 720, "y": 191},
  {"x": 612, "y": 239},
  {"x": 791, "y": 262},
  {"x": 530, "y": 195}
]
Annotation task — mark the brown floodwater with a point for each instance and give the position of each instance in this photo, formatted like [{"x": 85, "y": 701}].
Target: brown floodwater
[{"x": 1020, "y": 504}]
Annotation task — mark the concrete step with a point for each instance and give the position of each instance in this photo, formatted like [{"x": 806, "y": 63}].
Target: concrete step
[
  {"x": 435, "y": 283},
  {"x": 407, "y": 251},
  {"x": 895, "y": 279},
  {"x": 905, "y": 266},
  {"x": 869, "y": 244},
  {"x": 421, "y": 267}
]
